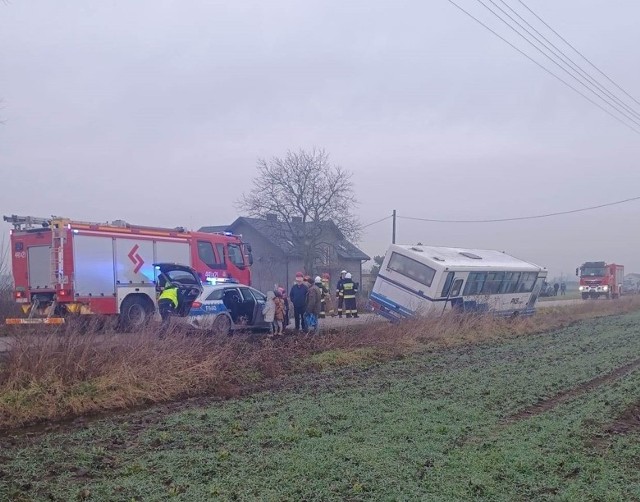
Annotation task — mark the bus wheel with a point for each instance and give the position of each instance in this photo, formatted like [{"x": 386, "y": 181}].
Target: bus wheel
[{"x": 135, "y": 313}]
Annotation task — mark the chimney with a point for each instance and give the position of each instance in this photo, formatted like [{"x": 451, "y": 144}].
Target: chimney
[
  {"x": 272, "y": 217},
  {"x": 296, "y": 219}
]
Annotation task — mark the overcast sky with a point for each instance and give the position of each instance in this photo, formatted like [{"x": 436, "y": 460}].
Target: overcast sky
[{"x": 156, "y": 112}]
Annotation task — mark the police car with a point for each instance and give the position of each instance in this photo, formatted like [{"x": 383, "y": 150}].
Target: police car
[{"x": 225, "y": 306}]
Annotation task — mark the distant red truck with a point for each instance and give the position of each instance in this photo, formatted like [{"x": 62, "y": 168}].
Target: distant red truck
[{"x": 598, "y": 278}]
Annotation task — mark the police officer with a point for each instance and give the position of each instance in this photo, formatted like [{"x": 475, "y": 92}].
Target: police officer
[
  {"x": 349, "y": 290},
  {"x": 339, "y": 293},
  {"x": 168, "y": 301}
]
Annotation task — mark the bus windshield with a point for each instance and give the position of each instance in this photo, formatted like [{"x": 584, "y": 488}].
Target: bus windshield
[{"x": 411, "y": 268}]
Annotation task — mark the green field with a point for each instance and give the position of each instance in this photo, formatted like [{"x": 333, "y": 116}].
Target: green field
[{"x": 519, "y": 420}]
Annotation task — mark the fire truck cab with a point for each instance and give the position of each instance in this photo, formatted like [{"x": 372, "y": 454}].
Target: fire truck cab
[
  {"x": 63, "y": 267},
  {"x": 598, "y": 278}
]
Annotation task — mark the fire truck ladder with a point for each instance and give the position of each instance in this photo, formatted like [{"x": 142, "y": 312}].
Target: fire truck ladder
[
  {"x": 58, "y": 237},
  {"x": 27, "y": 222}
]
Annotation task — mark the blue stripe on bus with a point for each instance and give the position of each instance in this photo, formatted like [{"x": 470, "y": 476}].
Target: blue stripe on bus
[
  {"x": 391, "y": 304},
  {"x": 386, "y": 308}
]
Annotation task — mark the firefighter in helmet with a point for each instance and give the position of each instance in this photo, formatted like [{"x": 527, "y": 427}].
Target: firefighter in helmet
[
  {"x": 348, "y": 292},
  {"x": 324, "y": 287},
  {"x": 339, "y": 295},
  {"x": 168, "y": 301}
]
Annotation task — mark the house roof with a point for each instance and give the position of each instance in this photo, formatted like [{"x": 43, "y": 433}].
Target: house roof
[{"x": 279, "y": 234}]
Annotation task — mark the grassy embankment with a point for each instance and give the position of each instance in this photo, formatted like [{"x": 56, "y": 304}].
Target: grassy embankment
[
  {"x": 547, "y": 417},
  {"x": 64, "y": 375}
]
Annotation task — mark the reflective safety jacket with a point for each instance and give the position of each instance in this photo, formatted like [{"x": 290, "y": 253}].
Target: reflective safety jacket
[
  {"x": 348, "y": 289},
  {"x": 170, "y": 293}
]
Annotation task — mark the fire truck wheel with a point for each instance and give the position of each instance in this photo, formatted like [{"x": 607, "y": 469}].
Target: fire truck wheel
[
  {"x": 222, "y": 325},
  {"x": 135, "y": 313}
]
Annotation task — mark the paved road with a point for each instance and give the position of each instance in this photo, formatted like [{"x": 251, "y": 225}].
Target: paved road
[{"x": 335, "y": 322}]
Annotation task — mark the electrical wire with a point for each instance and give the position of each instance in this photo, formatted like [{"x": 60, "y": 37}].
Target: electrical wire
[
  {"x": 577, "y": 51},
  {"x": 560, "y": 54},
  {"x": 566, "y": 60},
  {"x": 534, "y": 217},
  {"x": 596, "y": 92},
  {"x": 377, "y": 221},
  {"x": 543, "y": 67}
]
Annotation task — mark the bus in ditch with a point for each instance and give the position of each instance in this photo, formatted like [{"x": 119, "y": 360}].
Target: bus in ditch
[{"x": 429, "y": 279}]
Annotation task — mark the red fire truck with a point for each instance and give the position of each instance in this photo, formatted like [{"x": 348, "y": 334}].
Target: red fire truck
[
  {"x": 62, "y": 267},
  {"x": 598, "y": 278}
]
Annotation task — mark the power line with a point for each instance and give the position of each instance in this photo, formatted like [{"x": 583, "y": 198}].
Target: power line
[
  {"x": 377, "y": 221},
  {"x": 560, "y": 54},
  {"x": 578, "y": 52},
  {"x": 543, "y": 67},
  {"x": 596, "y": 92},
  {"x": 535, "y": 217}
]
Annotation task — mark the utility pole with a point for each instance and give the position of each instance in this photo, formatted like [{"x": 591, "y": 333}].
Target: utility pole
[{"x": 393, "y": 235}]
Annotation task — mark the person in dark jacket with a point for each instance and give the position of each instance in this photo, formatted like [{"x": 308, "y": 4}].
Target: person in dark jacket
[
  {"x": 298, "y": 297},
  {"x": 313, "y": 306}
]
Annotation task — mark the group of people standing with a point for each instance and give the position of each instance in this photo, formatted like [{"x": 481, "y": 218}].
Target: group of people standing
[
  {"x": 305, "y": 297},
  {"x": 309, "y": 299}
]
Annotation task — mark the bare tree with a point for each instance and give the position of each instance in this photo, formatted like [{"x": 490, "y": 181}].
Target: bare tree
[{"x": 308, "y": 195}]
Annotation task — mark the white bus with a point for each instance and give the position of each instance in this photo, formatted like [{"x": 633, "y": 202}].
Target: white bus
[{"x": 426, "y": 279}]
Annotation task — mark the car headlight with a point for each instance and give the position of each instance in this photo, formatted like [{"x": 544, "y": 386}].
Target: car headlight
[
  {"x": 580, "y": 288},
  {"x": 605, "y": 288}
]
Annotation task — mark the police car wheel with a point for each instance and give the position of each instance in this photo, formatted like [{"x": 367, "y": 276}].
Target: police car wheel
[{"x": 222, "y": 325}]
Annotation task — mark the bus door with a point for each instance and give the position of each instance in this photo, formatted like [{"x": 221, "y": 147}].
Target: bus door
[
  {"x": 536, "y": 291},
  {"x": 451, "y": 291}
]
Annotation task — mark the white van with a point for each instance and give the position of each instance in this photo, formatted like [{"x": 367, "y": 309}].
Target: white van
[{"x": 426, "y": 279}]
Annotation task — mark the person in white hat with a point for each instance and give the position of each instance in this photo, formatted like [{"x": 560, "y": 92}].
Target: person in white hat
[
  {"x": 312, "y": 309},
  {"x": 349, "y": 291}
]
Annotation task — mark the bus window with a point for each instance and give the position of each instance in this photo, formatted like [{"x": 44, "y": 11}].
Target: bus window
[
  {"x": 510, "y": 282},
  {"x": 475, "y": 282},
  {"x": 235, "y": 255},
  {"x": 206, "y": 254},
  {"x": 492, "y": 284},
  {"x": 447, "y": 284},
  {"x": 527, "y": 282},
  {"x": 412, "y": 269}
]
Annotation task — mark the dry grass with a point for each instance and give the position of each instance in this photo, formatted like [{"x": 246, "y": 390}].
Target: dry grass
[{"x": 85, "y": 370}]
